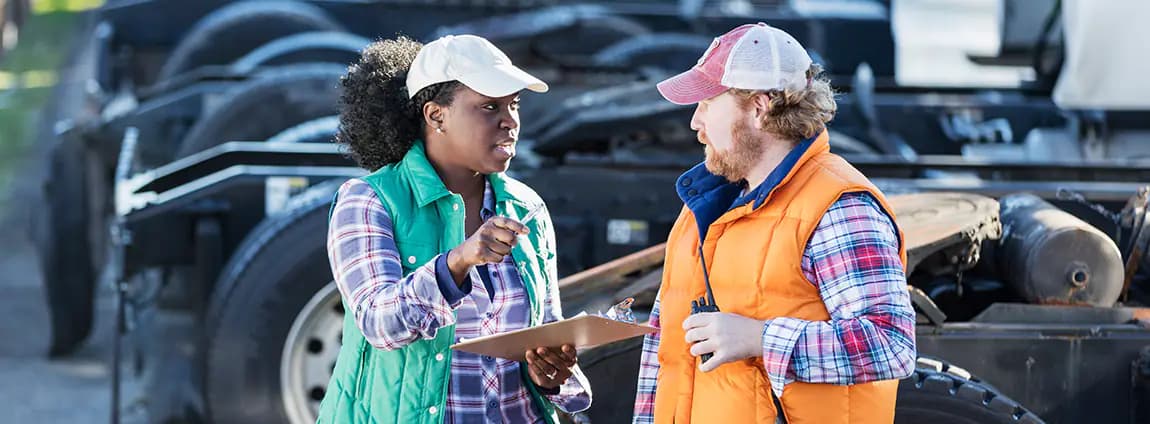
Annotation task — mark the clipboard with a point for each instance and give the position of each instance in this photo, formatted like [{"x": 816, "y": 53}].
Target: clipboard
[{"x": 583, "y": 331}]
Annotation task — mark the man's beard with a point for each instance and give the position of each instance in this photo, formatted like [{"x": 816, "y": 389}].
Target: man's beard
[{"x": 737, "y": 162}]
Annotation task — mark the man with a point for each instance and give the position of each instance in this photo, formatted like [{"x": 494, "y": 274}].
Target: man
[{"x": 800, "y": 250}]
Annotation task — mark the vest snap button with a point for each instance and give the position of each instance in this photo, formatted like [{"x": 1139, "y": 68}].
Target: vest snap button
[
  {"x": 439, "y": 357},
  {"x": 411, "y": 259},
  {"x": 455, "y": 206},
  {"x": 433, "y": 410}
]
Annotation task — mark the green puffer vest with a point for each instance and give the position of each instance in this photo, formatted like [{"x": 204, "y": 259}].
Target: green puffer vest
[{"x": 409, "y": 385}]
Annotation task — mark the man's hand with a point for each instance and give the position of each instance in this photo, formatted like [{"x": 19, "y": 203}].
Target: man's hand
[
  {"x": 729, "y": 336},
  {"x": 549, "y": 367},
  {"x": 489, "y": 244}
]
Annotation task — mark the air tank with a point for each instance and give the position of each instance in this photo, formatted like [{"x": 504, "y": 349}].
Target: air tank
[{"x": 1051, "y": 257}]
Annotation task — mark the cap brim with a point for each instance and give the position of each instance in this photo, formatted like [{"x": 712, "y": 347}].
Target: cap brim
[
  {"x": 503, "y": 80},
  {"x": 689, "y": 88}
]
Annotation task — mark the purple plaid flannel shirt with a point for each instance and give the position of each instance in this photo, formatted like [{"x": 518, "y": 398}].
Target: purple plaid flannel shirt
[
  {"x": 853, "y": 258},
  {"x": 392, "y": 310}
]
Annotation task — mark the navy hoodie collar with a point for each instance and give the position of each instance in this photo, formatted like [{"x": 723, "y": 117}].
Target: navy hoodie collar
[{"x": 709, "y": 196}]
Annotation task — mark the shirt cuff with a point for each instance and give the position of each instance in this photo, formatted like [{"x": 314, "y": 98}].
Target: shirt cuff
[
  {"x": 549, "y": 392},
  {"x": 452, "y": 292},
  {"x": 779, "y": 338},
  {"x": 574, "y": 394}
]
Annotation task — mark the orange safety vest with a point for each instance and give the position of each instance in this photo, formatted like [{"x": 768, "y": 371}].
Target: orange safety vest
[{"x": 754, "y": 257}]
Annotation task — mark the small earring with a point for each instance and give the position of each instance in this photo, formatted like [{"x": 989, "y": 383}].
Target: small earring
[{"x": 439, "y": 130}]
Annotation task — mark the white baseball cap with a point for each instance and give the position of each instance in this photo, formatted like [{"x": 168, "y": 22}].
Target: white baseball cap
[
  {"x": 473, "y": 61},
  {"x": 750, "y": 57}
]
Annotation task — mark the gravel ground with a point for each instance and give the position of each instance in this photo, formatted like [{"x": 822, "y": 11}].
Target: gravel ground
[{"x": 75, "y": 389}]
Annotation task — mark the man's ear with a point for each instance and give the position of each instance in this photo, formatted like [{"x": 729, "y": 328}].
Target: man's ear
[{"x": 762, "y": 106}]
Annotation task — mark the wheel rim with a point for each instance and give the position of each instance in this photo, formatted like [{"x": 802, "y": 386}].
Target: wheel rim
[{"x": 309, "y": 354}]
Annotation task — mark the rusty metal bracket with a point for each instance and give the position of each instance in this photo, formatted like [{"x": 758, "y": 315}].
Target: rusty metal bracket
[{"x": 587, "y": 285}]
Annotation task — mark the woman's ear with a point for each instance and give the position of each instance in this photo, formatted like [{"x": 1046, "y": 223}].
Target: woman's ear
[{"x": 433, "y": 116}]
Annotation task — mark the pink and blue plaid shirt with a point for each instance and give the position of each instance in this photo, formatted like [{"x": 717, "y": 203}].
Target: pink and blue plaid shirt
[
  {"x": 853, "y": 258},
  {"x": 392, "y": 310}
]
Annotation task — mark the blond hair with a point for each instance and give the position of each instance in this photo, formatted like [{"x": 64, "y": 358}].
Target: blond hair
[{"x": 796, "y": 114}]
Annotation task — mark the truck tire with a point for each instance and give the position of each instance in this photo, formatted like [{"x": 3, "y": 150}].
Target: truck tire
[
  {"x": 543, "y": 35},
  {"x": 274, "y": 275},
  {"x": 320, "y": 130},
  {"x": 326, "y": 47},
  {"x": 940, "y": 393},
  {"x": 669, "y": 51},
  {"x": 65, "y": 254},
  {"x": 233, "y": 30},
  {"x": 593, "y": 34},
  {"x": 279, "y": 190},
  {"x": 274, "y": 100},
  {"x": 937, "y": 393}
]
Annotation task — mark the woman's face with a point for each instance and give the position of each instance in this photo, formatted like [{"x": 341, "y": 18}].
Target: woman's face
[{"x": 481, "y": 132}]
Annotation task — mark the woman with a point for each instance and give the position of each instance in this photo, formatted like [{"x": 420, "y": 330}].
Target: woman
[{"x": 429, "y": 249}]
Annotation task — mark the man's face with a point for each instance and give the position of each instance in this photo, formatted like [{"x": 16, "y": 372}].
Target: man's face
[{"x": 724, "y": 126}]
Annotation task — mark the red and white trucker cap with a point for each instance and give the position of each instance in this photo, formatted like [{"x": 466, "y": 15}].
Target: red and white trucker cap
[{"x": 750, "y": 57}]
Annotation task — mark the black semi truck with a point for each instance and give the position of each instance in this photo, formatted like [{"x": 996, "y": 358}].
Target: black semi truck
[{"x": 197, "y": 177}]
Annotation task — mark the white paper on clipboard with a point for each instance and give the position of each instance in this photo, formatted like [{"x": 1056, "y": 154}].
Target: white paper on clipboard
[{"x": 583, "y": 331}]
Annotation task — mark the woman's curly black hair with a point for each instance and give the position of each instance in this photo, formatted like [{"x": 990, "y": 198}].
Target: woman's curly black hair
[{"x": 378, "y": 122}]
